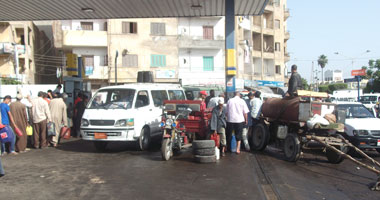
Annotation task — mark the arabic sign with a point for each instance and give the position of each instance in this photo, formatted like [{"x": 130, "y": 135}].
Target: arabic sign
[
  {"x": 7, "y": 47},
  {"x": 359, "y": 72}
]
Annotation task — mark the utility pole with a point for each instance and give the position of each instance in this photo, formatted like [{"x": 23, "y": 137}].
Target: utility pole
[
  {"x": 312, "y": 76},
  {"x": 117, "y": 54},
  {"x": 16, "y": 60}
]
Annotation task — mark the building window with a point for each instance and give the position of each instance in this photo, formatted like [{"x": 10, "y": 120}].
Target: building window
[
  {"x": 208, "y": 63},
  {"x": 277, "y": 46},
  {"x": 277, "y": 24},
  {"x": 208, "y": 32},
  {"x": 157, "y": 28},
  {"x": 278, "y": 69},
  {"x": 157, "y": 60},
  {"x": 129, "y": 27},
  {"x": 276, "y": 2},
  {"x": 105, "y": 61},
  {"x": 130, "y": 60},
  {"x": 88, "y": 64},
  {"x": 105, "y": 26},
  {"x": 87, "y": 26}
]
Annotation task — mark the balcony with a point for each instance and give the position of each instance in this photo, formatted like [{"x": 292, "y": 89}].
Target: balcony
[
  {"x": 82, "y": 38},
  {"x": 286, "y": 35},
  {"x": 256, "y": 28},
  {"x": 286, "y": 14},
  {"x": 100, "y": 72},
  {"x": 256, "y": 53},
  {"x": 200, "y": 43},
  {"x": 287, "y": 56},
  {"x": 268, "y": 55},
  {"x": 269, "y": 6}
]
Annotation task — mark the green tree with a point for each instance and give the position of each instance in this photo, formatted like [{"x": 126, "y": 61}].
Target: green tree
[
  {"x": 322, "y": 61},
  {"x": 305, "y": 85},
  {"x": 373, "y": 73}
]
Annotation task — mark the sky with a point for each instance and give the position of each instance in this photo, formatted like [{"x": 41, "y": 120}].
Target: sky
[{"x": 349, "y": 27}]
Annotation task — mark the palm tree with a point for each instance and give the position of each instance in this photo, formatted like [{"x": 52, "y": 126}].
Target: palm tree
[{"x": 322, "y": 61}]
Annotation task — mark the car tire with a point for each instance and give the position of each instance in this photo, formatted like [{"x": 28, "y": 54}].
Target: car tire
[
  {"x": 204, "y": 152},
  {"x": 144, "y": 140},
  {"x": 100, "y": 145},
  {"x": 334, "y": 157},
  {"x": 292, "y": 147},
  {"x": 260, "y": 137},
  {"x": 205, "y": 159},
  {"x": 203, "y": 144}
]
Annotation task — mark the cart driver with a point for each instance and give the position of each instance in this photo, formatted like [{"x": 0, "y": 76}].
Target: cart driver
[{"x": 295, "y": 82}]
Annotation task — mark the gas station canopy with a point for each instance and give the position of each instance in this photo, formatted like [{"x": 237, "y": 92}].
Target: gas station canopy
[{"x": 20, "y": 10}]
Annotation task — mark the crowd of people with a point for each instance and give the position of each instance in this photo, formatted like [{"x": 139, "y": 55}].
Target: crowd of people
[
  {"x": 237, "y": 118},
  {"x": 35, "y": 114}
]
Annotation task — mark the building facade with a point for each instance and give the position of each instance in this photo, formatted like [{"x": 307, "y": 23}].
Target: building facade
[
  {"x": 33, "y": 53},
  {"x": 187, "y": 50},
  {"x": 333, "y": 76},
  {"x": 262, "y": 46}
]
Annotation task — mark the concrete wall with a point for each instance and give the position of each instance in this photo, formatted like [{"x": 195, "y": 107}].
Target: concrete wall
[
  {"x": 194, "y": 26},
  {"x": 144, "y": 45},
  {"x": 74, "y": 25}
]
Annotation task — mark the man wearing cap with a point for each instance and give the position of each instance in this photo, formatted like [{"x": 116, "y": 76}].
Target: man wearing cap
[
  {"x": 237, "y": 111},
  {"x": 295, "y": 82},
  {"x": 18, "y": 111},
  {"x": 7, "y": 119},
  {"x": 218, "y": 123}
]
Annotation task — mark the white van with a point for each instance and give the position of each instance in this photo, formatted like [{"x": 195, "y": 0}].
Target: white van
[{"x": 130, "y": 112}]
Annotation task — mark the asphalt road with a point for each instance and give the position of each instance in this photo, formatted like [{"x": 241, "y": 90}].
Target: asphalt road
[{"x": 76, "y": 171}]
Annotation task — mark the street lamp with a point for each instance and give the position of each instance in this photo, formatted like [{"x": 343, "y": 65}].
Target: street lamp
[{"x": 352, "y": 58}]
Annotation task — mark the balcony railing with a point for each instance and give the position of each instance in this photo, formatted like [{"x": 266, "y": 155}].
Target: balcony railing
[{"x": 85, "y": 38}]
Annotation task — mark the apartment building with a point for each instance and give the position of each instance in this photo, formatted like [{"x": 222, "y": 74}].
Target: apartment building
[
  {"x": 261, "y": 44},
  {"x": 88, "y": 41},
  {"x": 33, "y": 52},
  {"x": 335, "y": 76},
  {"x": 143, "y": 45},
  {"x": 201, "y": 51}
]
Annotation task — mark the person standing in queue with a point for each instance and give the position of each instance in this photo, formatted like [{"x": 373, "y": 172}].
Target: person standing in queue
[
  {"x": 237, "y": 117},
  {"x": 256, "y": 104},
  {"x": 78, "y": 112},
  {"x": 18, "y": 111},
  {"x": 59, "y": 116},
  {"x": 295, "y": 82},
  {"x": 202, "y": 95},
  {"x": 212, "y": 95},
  {"x": 218, "y": 124},
  {"x": 7, "y": 119},
  {"x": 41, "y": 116}
]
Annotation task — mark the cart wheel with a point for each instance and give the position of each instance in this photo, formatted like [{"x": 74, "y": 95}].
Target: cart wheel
[
  {"x": 292, "y": 147},
  {"x": 334, "y": 157},
  {"x": 260, "y": 137}
]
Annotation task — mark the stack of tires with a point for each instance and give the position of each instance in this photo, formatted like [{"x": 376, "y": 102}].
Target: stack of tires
[{"x": 204, "y": 151}]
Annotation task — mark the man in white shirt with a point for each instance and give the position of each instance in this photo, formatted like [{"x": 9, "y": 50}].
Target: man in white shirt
[
  {"x": 41, "y": 116},
  {"x": 237, "y": 111},
  {"x": 256, "y": 104}
]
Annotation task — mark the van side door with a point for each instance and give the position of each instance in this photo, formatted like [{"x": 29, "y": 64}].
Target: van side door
[
  {"x": 158, "y": 97},
  {"x": 143, "y": 114}
]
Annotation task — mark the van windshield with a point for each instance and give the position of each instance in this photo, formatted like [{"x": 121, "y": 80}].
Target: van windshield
[
  {"x": 112, "y": 99},
  {"x": 368, "y": 99}
]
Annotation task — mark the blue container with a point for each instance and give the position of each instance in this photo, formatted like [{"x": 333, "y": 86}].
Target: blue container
[
  {"x": 6, "y": 134},
  {"x": 233, "y": 143}
]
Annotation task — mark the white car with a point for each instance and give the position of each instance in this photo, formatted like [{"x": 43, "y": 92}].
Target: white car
[
  {"x": 361, "y": 127},
  {"x": 130, "y": 112}
]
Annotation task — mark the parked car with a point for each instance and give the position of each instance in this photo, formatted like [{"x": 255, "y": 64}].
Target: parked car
[
  {"x": 361, "y": 126},
  {"x": 192, "y": 92},
  {"x": 369, "y": 100},
  {"x": 130, "y": 112}
]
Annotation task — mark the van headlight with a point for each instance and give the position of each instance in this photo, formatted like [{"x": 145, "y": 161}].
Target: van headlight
[
  {"x": 361, "y": 132},
  {"x": 125, "y": 122},
  {"x": 169, "y": 122},
  {"x": 84, "y": 122}
]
